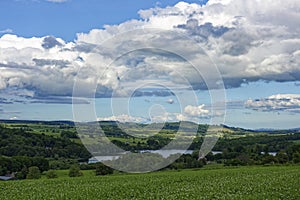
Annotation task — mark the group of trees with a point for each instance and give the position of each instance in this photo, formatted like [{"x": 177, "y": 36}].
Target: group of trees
[
  {"x": 18, "y": 142},
  {"x": 152, "y": 143},
  {"x": 141, "y": 162},
  {"x": 187, "y": 161},
  {"x": 21, "y": 164},
  {"x": 99, "y": 168},
  {"x": 68, "y": 134},
  {"x": 23, "y": 153},
  {"x": 33, "y": 168},
  {"x": 253, "y": 155},
  {"x": 262, "y": 143}
]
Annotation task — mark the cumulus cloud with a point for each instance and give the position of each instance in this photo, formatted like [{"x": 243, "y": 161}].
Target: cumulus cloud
[
  {"x": 278, "y": 102},
  {"x": 191, "y": 113},
  {"x": 50, "y": 42},
  {"x": 196, "y": 110},
  {"x": 27, "y": 65},
  {"x": 248, "y": 41},
  {"x": 123, "y": 118}
]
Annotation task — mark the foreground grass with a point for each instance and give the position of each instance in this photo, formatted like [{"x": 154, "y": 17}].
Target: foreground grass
[{"x": 226, "y": 183}]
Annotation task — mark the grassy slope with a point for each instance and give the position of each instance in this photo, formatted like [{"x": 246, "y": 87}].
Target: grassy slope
[
  {"x": 55, "y": 130},
  {"x": 225, "y": 183}
]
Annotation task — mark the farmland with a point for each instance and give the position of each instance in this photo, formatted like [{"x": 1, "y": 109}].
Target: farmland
[
  {"x": 267, "y": 182},
  {"x": 244, "y": 169}
]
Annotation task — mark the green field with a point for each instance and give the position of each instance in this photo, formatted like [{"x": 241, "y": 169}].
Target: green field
[{"x": 276, "y": 182}]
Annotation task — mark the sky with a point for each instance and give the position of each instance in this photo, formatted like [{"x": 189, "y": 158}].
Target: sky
[
  {"x": 64, "y": 19},
  {"x": 221, "y": 61}
]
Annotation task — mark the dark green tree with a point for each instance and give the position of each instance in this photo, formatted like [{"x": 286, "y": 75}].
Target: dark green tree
[
  {"x": 51, "y": 174},
  {"x": 22, "y": 174},
  {"x": 33, "y": 173},
  {"x": 296, "y": 157},
  {"x": 74, "y": 171},
  {"x": 282, "y": 157},
  {"x": 102, "y": 169},
  {"x": 69, "y": 134}
]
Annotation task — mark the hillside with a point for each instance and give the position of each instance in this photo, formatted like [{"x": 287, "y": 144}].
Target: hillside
[
  {"x": 56, "y": 145},
  {"x": 21, "y": 142}
]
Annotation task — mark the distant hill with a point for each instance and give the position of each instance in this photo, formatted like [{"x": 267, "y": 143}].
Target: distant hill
[
  {"x": 166, "y": 126},
  {"x": 276, "y": 131},
  {"x": 37, "y": 122}
]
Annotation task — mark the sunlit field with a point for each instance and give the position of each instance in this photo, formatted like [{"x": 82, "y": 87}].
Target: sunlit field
[{"x": 272, "y": 182}]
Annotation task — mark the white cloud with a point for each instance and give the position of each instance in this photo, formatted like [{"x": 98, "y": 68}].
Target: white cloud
[
  {"x": 195, "y": 110},
  {"x": 123, "y": 118},
  {"x": 248, "y": 41},
  {"x": 279, "y": 102},
  {"x": 191, "y": 113}
]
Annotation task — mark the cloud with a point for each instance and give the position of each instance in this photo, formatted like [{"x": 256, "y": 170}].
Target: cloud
[
  {"x": 123, "y": 118},
  {"x": 5, "y": 101},
  {"x": 279, "y": 102},
  {"x": 154, "y": 92},
  {"x": 170, "y": 101},
  {"x": 8, "y": 30},
  {"x": 247, "y": 41},
  {"x": 191, "y": 113},
  {"x": 50, "y": 42},
  {"x": 60, "y": 100},
  {"x": 195, "y": 110}
]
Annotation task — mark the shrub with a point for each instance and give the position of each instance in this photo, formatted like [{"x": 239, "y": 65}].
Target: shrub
[
  {"x": 33, "y": 173},
  {"x": 102, "y": 169},
  {"x": 75, "y": 171},
  {"x": 51, "y": 174}
]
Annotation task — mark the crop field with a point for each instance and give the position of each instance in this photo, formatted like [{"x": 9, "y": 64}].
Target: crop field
[{"x": 274, "y": 182}]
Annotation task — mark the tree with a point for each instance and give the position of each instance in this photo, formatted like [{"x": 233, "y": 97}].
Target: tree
[
  {"x": 22, "y": 174},
  {"x": 102, "y": 169},
  {"x": 3, "y": 171},
  {"x": 41, "y": 162},
  {"x": 69, "y": 134},
  {"x": 282, "y": 157},
  {"x": 51, "y": 174},
  {"x": 269, "y": 159},
  {"x": 74, "y": 171},
  {"x": 296, "y": 157},
  {"x": 33, "y": 173}
]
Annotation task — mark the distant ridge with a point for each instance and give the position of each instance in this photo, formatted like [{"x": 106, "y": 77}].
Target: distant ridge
[
  {"x": 237, "y": 128},
  {"x": 58, "y": 122},
  {"x": 72, "y": 123},
  {"x": 271, "y": 130}
]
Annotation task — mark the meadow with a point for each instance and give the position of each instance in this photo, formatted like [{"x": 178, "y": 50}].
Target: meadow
[{"x": 255, "y": 182}]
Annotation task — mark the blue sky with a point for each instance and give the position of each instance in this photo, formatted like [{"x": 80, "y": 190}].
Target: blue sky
[{"x": 47, "y": 46}]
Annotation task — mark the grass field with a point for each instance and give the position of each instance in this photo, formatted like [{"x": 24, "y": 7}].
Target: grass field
[{"x": 274, "y": 182}]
